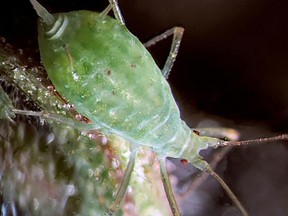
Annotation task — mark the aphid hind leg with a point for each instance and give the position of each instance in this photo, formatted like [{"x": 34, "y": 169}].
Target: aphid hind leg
[
  {"x": 205, "y": 167},
  {"x": 168, "y": 188},
  {"x": 124, "y": 184},
  {"x": 177, "y": 33}
]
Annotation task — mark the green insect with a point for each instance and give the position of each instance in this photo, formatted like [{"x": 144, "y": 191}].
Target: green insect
[{"x": 110, "y": 77}]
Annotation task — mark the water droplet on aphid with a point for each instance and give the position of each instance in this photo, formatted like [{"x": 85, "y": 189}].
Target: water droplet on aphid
[
  {"x": 104, "y": 140},
  {"x": 71, "y": 190},
  {"x": 129, "y": 189},
  {"x": 78, "y": 117},
  {"x": 75, "y": 75},
  {"x": 67, "y": 106},
  {"x": 50, "y": 138},
  {"x": 115, "y": 163},
  {"x": 92, "y": 136}
]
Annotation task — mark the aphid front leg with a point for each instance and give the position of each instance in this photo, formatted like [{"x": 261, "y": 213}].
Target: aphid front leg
[
  {"x": 124, "y": 184},
  {"x": 168, "y": 188},
  {"x": 177, "y": 33}
]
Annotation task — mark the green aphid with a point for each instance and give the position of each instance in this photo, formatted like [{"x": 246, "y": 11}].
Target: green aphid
[{"x": 109, "y": 76}]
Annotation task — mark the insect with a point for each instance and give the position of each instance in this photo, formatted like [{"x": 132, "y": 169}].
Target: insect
[{"x": 116, "y": 84}]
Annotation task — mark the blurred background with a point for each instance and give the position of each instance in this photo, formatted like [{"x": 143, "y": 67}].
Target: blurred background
[{"x": 231, "y": 72}]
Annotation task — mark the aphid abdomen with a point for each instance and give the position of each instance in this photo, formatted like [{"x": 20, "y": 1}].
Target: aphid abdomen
[{"x": 110, "y": 77}]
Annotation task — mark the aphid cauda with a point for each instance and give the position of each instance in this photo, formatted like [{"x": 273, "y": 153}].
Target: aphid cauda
[{"x": 110, "y": 77}]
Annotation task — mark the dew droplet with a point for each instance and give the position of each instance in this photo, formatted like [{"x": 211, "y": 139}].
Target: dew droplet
[
  {"x": 115, "y": 163},
  {"x": 50, "y": 138},
  {"x": 50, "y": 88},
  {"x": 78, "y": 117},
  {"x": 20, "y": 51}
]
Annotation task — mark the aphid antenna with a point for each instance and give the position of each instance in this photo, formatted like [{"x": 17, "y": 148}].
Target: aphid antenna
[
  {"x": 282, "y": 137},
  {"x": 43, "y": 13}
]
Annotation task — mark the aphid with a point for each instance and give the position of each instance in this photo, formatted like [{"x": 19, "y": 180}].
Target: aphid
[{"x": 110, "y": 77}]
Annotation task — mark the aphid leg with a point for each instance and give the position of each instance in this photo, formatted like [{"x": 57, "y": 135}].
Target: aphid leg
[
  {"x": 116, "y": 11},
  {"x": 168, "y": 188},
  {"x": 177, "y": 37},
  {"x": 205, "y": 167},
  {"x": 106, "y": 11},
  {"x": 59, "y": 118},
  {"x": 217, "y": 157},
  {"x": 124, "y": 184}
]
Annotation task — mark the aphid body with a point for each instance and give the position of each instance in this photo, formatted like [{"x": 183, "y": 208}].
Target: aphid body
[{"x": 110, "y": 77}]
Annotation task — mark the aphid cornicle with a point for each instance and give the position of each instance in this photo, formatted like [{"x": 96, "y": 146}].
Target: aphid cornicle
[{"x": 110, "y": 77}]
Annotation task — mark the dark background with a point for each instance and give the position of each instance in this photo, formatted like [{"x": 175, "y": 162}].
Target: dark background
[{"x": 231, "y": 71}]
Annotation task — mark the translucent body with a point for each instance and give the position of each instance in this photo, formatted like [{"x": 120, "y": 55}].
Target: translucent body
[{"x": 106, "y": 72}]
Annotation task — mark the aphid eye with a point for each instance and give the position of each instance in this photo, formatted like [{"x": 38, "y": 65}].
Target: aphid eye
[
  {"x": 196, "y": 132},
  {"x": 184, "y": 161}
]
